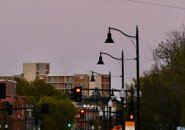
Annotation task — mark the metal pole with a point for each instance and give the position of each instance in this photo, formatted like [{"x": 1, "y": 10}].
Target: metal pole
[
  {"x": 122, "y": 108},
  {"x": 110, "y": 118},
  {"x": 122, "y": 98},
  {"x": 138, "y": 80},
  {"x": 109, "y": 99},
  {"x": 122, "y": 76}
]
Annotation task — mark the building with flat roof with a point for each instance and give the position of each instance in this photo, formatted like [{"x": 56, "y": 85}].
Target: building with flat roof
[
  {"x": 33, "y": 71},
  {"x": 62, "y": 82}
]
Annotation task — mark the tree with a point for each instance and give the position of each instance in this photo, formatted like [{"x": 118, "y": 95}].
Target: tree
[
  {"x": 163, "y": 87},
  {"x": 61, "y": 110}
]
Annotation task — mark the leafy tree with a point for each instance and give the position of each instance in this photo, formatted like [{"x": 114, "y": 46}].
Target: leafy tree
[
  {"x": 163, "y": 87},
  {"x": 61, "y": 109}
]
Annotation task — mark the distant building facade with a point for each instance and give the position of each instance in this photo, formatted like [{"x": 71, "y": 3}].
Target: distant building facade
[
  {"x": 12, "y": 114},
  {"x": 33, "y": 71},
  {"x": 62, "y": 82},
  {"x": 66, "y": 82}
]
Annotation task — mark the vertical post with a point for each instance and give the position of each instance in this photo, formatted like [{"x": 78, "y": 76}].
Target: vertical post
[
  {"x": 110, "y": 118},
  {"x": 122, "y": 75},
  {"x": 122, "y": 98},
  {"x": 109, "y": 84},
  {"x": 107, "y": 116},
  {"x": 122, "y": 114},
  {"x": 138, "y": 80},
  {"x": 109, "y": 99}
]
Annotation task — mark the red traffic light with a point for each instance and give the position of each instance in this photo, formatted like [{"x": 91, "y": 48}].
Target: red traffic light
[
  {"x": 82, "y": 113},
  {"x": 131, "y": 116}
]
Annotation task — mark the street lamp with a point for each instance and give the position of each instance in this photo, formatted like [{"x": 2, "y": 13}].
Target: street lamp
[
  {"x": 136, "y": 37},
  {"x": 109, "y": 76},
  {"x": 109, "y": 87},
  {"x": 100, "y": 62}
]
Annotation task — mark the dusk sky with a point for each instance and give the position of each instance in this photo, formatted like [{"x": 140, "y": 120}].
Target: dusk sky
[{"x": 69, "y": 34}]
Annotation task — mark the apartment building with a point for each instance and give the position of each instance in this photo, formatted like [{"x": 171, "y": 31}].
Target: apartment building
[
  {"x": 65, "y": 82},
  {"x": 33, "y": 71},
  {"x": 62, "y": 82}
]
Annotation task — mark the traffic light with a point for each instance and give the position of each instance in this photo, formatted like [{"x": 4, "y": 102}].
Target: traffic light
[
  {"x": 131, "y": 106},
  {"x": 69, "y": 124},
  {"x": 78, "y": 94},
  {"x": 2, "y": 90},
  {"x": 82, "y": 113},
  {"x": 118, "y": 117},
  {"x": 45, "y": 108},
  {"x": 131, "y": 117},
  {"x": 72, "y": 94},
  {"x": 10, "y": 109}
]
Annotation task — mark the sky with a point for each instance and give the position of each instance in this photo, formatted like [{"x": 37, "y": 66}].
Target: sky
[{"x": 69, "y": 34}]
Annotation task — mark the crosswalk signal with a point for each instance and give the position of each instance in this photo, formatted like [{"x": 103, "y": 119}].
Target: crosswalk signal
[
  {"x": 78, "y": 94},
  {"x": 82, "y": 113}
]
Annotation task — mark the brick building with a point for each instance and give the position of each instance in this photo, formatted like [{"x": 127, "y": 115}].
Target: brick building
[{"x": 12, "y": 114}]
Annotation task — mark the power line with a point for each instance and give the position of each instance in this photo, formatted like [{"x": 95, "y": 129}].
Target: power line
[{"x": 157, "y": 4}]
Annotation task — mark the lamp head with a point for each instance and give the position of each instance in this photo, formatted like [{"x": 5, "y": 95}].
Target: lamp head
[
  {"x": 109, "y": 38},
  {"x": 92, "y": 78},
  {"x": 100, "y": 62}
]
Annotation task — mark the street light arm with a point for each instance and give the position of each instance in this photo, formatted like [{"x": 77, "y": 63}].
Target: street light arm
[
  {"x": 110, "y": 28},
  {"x": 93, "y": 72},
  {"x": 110, "y": 56},
  {"x": 128, "y": 36}
]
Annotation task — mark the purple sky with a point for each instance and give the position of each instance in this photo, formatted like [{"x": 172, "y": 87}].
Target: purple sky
[{"x": 69, "y": 34}]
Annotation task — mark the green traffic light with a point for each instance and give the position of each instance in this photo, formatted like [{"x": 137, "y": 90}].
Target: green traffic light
[{"x": 69, "y": 124}]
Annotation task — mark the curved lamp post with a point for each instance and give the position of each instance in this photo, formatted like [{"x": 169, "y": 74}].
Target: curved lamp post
[
  {"x": 100, "y": 62},
  {"x": 136, "y": 37}
]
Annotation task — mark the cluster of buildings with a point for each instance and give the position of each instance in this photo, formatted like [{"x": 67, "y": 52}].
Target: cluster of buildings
[{"x": 63, "y": 83}]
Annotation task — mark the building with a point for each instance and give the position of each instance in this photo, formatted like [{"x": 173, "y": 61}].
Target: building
[
  {"x": 62, "y": 82},
  {"x": 92, "y": 91},
  {"x": 33, "y": 71},
  {"x": 12, "y": 112},
  {"x": 7, "y": 77}
]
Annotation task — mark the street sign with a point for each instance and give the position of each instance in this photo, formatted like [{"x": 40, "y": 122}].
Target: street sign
[
  {"x": 129, "y": 125},
  {"x": 118, "y": 127}
]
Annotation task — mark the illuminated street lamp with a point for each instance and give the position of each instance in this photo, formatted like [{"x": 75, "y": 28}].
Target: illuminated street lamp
[{"x": 136, "y": 37}]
